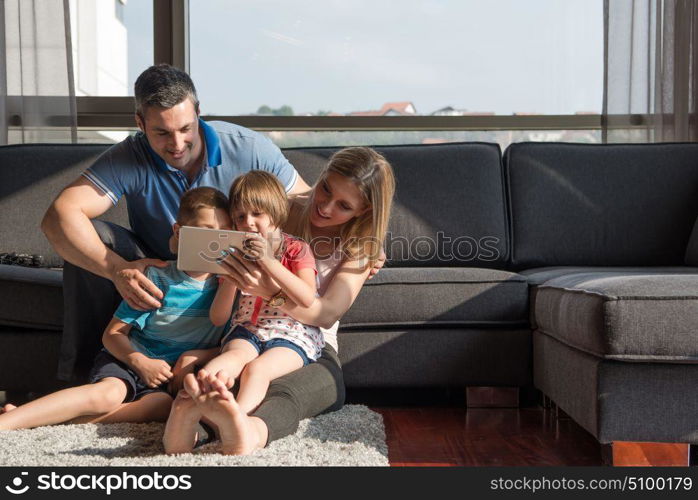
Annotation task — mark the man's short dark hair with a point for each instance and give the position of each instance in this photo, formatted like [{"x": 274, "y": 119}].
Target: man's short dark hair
[{"x": 163, "y": 86}]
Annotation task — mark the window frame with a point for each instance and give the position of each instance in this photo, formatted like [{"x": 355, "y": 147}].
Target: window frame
[{"x": 171, "y": 45}]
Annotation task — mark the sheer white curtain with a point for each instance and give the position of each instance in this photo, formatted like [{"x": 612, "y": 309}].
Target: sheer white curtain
[
  {"x": 651, "y": 51},
  {"x": 36, "y": 79}
]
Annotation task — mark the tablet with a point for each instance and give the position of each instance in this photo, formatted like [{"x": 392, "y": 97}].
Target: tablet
[{"x": 199, "y": 248}]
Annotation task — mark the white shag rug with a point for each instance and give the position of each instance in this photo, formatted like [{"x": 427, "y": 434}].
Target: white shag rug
[{"x": 352, "y": 436}]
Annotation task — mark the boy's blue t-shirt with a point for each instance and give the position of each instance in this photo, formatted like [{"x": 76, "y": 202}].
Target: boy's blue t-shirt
[
  {"x": 181, "y": 323},
  {"x": 153, "y": 188}
]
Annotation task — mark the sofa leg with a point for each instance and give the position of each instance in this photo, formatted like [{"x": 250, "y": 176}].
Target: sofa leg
[
  {"x": 556, "y": 412},
  {"x": 637, "y": 454},
  {"x": 492, "y": 397}
]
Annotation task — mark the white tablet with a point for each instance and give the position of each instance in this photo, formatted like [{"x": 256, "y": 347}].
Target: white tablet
[{"x": 200, "y": 248}]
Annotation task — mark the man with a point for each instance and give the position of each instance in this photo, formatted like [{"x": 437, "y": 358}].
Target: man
[{"x": 173, "y": 152}]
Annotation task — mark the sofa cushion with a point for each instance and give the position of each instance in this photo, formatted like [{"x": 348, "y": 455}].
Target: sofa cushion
[
  {"x": 625, "y": 316},
  {"x": 449, "y": 208},
  {"x": 539, "y": 275},
  {"x": 440, "y": 296},
  {"x": 601, "y": 204},
  {"x": 31, "y": 176},
  {"x": 397, "y": 297},
  {"x": 31, "y": 297}
]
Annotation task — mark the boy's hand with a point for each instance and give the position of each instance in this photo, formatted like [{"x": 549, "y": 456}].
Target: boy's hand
[
  {"x": 154, "y": 372},
  {"x": 136, "y": 289}
]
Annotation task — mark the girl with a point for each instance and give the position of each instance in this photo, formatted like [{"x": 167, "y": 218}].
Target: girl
[
  {"x": 345, "y": 218},
  {"x": 263, "y": 338}
]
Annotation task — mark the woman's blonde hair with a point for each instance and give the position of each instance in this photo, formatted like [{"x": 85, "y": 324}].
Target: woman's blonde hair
[
  {"x": 261, "y": 191},
  {"x": 362, "y": 237}
]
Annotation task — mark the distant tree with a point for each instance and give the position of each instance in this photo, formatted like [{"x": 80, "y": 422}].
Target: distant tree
[
  {"x": 264, "y": 110},
  {"x": 322, "y": 112},
  {"x": 284, "y": 110}
]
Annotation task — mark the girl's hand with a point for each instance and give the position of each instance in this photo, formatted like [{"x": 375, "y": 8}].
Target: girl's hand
[
  {"x": 258, "y": 248},
  {"x": 248, "y": 276}
]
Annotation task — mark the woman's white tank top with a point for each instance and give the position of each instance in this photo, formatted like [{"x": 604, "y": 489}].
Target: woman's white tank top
[{"x": 326, "y": 269}]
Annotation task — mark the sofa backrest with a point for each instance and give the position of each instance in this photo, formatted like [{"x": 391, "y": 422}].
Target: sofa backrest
[
  {"x": 31, "y": 176},
  {"x": 449, "y": 207},
  {"x": 601, "y": 204}
]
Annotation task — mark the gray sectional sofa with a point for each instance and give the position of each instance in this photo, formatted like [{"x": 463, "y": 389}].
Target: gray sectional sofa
[{"x": 560, "y": 266}]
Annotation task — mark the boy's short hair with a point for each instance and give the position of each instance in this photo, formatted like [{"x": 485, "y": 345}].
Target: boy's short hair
[
  {"x": 261, "y": 191},
  {"x": 197, "y": 198}
]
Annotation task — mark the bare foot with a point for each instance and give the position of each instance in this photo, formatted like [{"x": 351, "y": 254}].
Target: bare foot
[
  {"x": 181, "y": 429},
  {"x": 237, "y": 434},
  {"x": 202, "y": 382},
  {"x": 7, "y": 408},
  {"x": 226, "y": 379}
]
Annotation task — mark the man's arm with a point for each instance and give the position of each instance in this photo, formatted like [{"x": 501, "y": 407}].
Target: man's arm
[
  {"x": 300, "y": 187},
  {"x": 68, "y": 228},
  {"x": 270, "y": 158}
]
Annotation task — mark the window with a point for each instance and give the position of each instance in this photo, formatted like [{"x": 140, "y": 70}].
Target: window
[
  {"x": 386, "y": 58},
  {"x": 331, "y": 72},
  {"x": 298, "y": 139}
]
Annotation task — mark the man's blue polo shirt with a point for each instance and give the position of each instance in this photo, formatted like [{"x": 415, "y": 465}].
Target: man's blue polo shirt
[{"x": 153, "y": 189}]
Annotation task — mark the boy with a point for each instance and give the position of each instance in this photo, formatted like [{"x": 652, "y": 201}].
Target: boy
[{"x": 128, "y": 376}]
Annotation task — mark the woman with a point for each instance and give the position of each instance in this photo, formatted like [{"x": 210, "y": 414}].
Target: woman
[{"x": 344, "y": 218}]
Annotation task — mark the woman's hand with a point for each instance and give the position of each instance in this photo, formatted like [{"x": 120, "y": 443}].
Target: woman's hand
[
  {"x": 378, "y": 265},
  {"x": 247, "y": 275}
]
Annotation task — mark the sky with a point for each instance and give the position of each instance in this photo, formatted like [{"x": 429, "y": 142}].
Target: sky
[{"x": 502, "y": 56}]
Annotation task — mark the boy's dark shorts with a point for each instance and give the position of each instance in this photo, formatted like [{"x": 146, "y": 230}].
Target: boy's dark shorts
[{"x": 106, "y": 365}]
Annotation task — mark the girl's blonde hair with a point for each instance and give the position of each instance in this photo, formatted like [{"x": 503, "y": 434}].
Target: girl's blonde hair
[
  {"x": 362, "y": 237},
  {"x": 261, "y": 191}
]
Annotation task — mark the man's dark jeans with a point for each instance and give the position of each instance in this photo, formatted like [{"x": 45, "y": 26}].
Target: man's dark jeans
[{"x": 89, "y": 302}]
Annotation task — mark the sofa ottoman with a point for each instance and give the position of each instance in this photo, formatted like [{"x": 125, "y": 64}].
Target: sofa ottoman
[
  {"x": 601, "y": 233},
  {"x": 629, "y": 342}
]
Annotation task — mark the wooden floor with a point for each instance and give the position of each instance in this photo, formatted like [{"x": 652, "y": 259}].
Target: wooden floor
[{"x": 454, "y": 436}]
